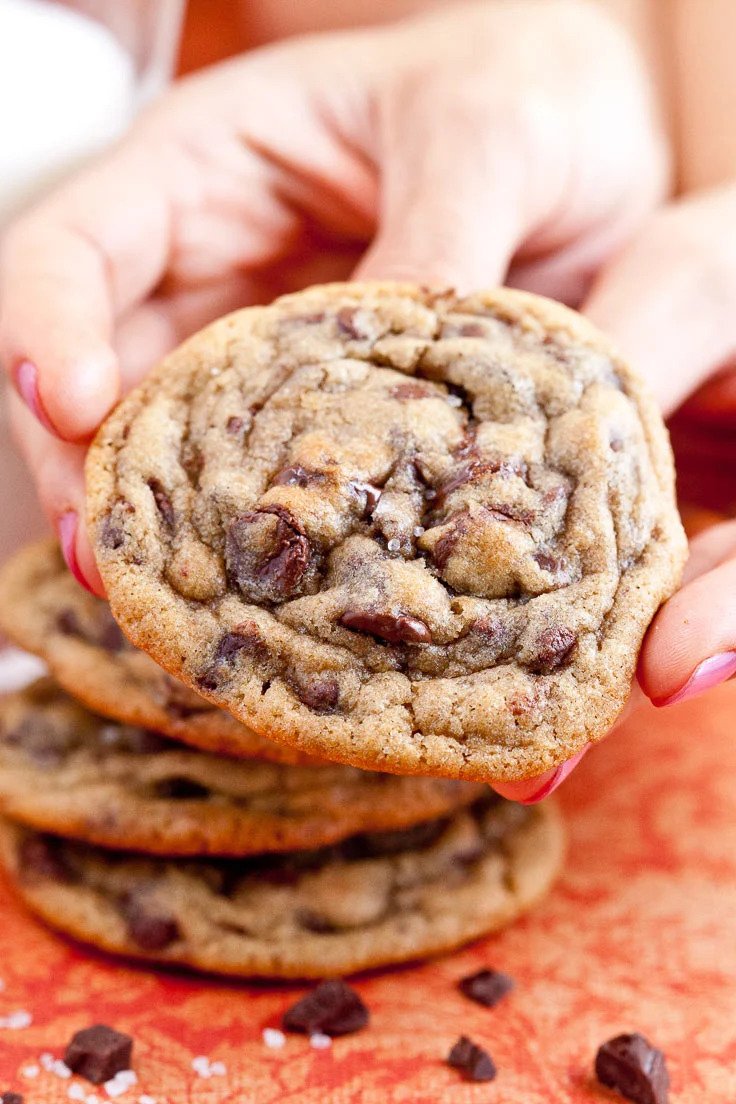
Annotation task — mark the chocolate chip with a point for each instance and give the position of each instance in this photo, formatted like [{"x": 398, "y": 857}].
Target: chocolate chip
[
  {"x": 473, "y": 1062},
  {"x": 319, "y": 694},
  {"x": 553, "y": 649},
  {"x": 333, "y": 1008},
  {"x": 368, "y": 495},
  {"x": 180, "y": 789},
  {"x": 267, "y": 554},
  {"x": 112, "y": 530},
  {"x": 634, "y": 1068},
  {"x": 244, "y": 638},
  {"x": 148, "y": 926},
  {"x": 163, "y": 502},
  {"x": 11, "y": 1098},
  {"x": 375, "y": 845},
  {"x": 42, "y": 857},
  {"x": 132, "y": 740},
  {"x": 407, "y": 392},
  {"x": 487, "y": 987},
  {"x": 395, "y": 628},
  {"x": 314, "y": 922},
  {"x": 297, "y": 476},
  {"x": 355, "y": 322},
  {"x": 97, "y": 1053}
]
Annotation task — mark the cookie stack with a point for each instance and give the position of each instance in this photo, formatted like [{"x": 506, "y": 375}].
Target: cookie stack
[
  {"x": 122, "y": 834},
  {"x": 391, "y": 528}
]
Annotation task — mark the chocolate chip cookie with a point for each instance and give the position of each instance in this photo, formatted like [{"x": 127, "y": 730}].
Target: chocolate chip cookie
[
  {"x": 394, "y": 527},
  {"x": 43, "y": 610},
  {"x": 66, "y": 770},
  {"x": 372, "y": 900}
]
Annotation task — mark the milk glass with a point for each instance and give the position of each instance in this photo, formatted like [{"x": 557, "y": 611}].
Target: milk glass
[{"x": 72, "y": 77}]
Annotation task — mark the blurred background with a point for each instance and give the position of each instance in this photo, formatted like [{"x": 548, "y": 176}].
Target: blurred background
[{"x": 86, "y": 67}]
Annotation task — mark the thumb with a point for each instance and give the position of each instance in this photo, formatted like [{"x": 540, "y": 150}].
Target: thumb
[
  {"x": 666, "y": 300},
  {"x": 451, "y": 190}
]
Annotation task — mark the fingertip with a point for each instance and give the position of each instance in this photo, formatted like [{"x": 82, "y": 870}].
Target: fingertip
[
  {"x": 78, "y": 393},
  {"x": 532, "y": 790}
]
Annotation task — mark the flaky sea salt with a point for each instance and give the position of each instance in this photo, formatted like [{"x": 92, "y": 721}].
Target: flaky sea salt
[
  {"x": 273, "y": 1038},
  {"x": 394, "y": 544},
  {"x": 16, "y": 1020},
  {"x": 319, "y": 1041},
  {"x": 454, "y": 400},
  {"x": 418, "y": 530}
]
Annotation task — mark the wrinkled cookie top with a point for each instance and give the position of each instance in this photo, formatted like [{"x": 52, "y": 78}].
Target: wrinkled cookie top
[{"x": 376, "y": 496}]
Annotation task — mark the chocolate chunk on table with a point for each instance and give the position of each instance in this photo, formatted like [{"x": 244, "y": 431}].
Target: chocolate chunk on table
[
  {"x": 473, "y": 1062},
  {"x": 631, "y": 1066},
  {"x": 333, "y": 1008},
  {"x": 487, "y": 987},
  {"x": 98, "y": 1053}
]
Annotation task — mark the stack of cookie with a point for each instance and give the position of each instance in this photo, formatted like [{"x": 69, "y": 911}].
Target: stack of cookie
[
  {"x": 123, "y": 833},
  {"x": 391, "y": 528}
]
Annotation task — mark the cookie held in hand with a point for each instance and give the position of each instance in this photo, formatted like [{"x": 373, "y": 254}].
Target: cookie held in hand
[{"x": 393, "y": 527}]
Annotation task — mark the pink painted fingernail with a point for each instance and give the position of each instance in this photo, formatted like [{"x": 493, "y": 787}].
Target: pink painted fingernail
[
  {"x": 26, "y": 383},
  {"x": 536, "y": 789},
  {"x": 66, "y": 527},
  {"x": 710, "y": 672}
]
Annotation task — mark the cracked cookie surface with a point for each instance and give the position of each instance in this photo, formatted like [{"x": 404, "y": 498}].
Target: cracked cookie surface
[
  {"x": 69, "y": 771},
  {"x": 393, "y": 527},
  {"x": 44, "y": 610},
  {"x": 372, "y": 900}
]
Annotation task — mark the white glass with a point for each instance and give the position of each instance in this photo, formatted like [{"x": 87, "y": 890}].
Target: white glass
[{"x": 72, "y": 77}]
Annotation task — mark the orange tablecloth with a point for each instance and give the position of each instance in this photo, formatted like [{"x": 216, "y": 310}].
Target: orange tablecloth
[{"x": 640, "y": 934}]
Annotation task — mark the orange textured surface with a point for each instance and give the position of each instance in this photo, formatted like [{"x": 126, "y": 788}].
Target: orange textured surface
[{"x": 638, "y": 935}]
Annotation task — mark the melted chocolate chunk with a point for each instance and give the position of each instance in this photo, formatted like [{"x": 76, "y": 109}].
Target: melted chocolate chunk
[
  {"x": 395, "y": 628},
  {"x": 333, "y": 1008},
  {"x": 107, "y": 634},
  {"x": 68, "y": 623},
  {"x": 356, "y": 323},
  {"x": 11, "y": 1098},
  {"x": 244, "y": 638},
  {"x": 314, "y": 922},
  {"x": 112, "y": 531},
  {"x": 548, "y": 562},
  {"x": 235, "y": 426},
  {"x": 180, "y": 789},
  {"x": 41, "y": 857},
  {"x": 445, "y": 546},
  {"x": 163, "y": 503},
  {"x": 369, "y": 496},
  {"x": 473, "y": 1062},
  {"x": 487, "y": 987},
  {"x": 267, "y": 554},
  {"x": 631, "y": 1066},
  {"x": 320, "y": 694},
  {"x": 148, "y": 926},
  {"x": 97, "y": 1053},
  {"x": 110, "y": 636},
  {"x": 553, "y": 648},
  {"x": 297, "y": 476}
]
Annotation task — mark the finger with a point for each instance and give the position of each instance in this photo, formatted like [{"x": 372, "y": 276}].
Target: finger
[
  {"x": 57, "y": 469},
  {"x": 69, "y": 269},
  {"x": 532, "y": 790},
  {"x": 691, "y": 644},
  {"x": 439, "y": 225},
  {"x": 668, "y": 300}
]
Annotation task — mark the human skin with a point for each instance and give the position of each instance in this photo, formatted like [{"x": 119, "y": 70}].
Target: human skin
[{"x": 517, "y": 141}]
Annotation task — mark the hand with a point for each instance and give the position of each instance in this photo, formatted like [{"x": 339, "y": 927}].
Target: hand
[
  {"x": 669, "y": 302},
  {"x": 486, "y": 138}
]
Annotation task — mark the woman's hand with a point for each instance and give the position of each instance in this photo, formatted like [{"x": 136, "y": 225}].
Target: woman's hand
[
  {"x": 450, "y": 147},
  {"x": 669, "y": 302}
]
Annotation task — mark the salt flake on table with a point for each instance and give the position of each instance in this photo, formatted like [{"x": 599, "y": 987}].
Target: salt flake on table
[
  {"x": 273, "y": 1038},
  {"x": 76, "y": 1092},
  {"x": 30, "y": 1071},
  {"x": 319, "y": 1041},
  {"x": 16, "y": 1020}
]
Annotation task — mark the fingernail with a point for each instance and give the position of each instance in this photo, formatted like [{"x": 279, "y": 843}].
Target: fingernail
[
  {"x": 66, "y": 527},
  {"x": 710, "y": 672},
  {"x": 536, "y": 789},
  {"x": 26, "y": 383}
]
